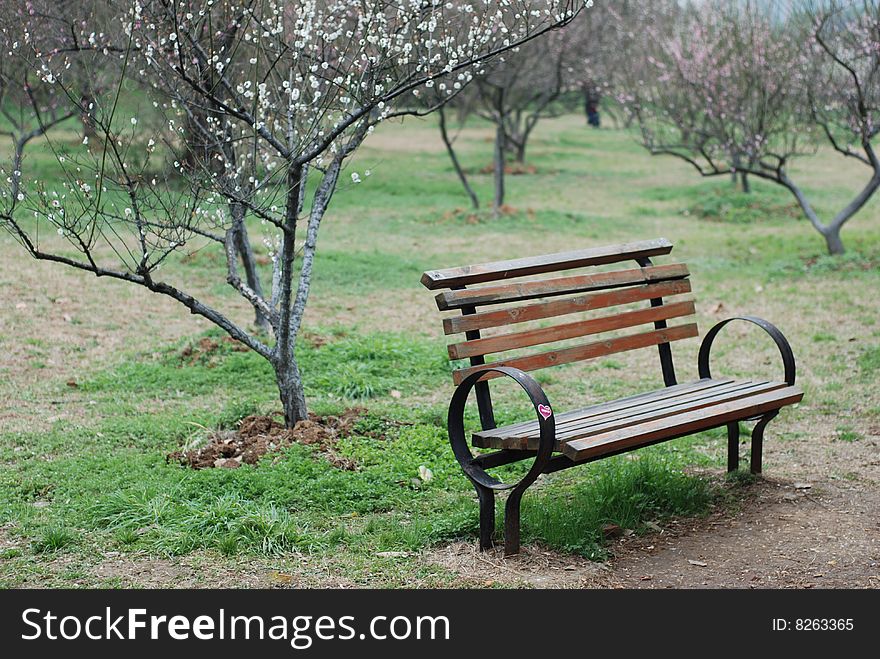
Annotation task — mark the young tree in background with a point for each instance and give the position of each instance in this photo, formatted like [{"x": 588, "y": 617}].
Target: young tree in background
[
  {"x": 449, "y": 143},
  {"x": 282, "y": 93},
  {"x": 513, "y": 95},
  {"x": 516, "y": 94},
  {"x": 519, "y": 90}
]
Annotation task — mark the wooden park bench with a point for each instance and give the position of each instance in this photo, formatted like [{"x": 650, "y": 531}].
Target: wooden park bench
[{"x": 506, "y": 293}]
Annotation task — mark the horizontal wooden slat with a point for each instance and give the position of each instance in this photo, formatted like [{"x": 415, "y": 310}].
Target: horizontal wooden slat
[
  {"x": 623, "y": 407},
  {"x": 729, "y": 390},
  {"x": 497, "y": 270},
  {"x": 586, "y": 351},
  {"x": 685, "y": 404},
  {"x": 529, "y": 290},
  {"x": 658, "y": 396},
  {"x": 687, "y": 422},
  {"x": 494, "y": 344},
  {"x": 552, "y": 308},
  {"x": 613, "y": 420}
]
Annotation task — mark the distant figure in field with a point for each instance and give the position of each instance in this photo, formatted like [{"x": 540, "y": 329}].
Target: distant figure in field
[{"x": 591, "y": 98}]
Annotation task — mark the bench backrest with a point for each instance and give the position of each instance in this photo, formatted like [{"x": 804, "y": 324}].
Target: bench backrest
[{"x": 504, "y": 294}]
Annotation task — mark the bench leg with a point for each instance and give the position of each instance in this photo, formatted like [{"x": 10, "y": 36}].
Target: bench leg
[
  {"x": 732, "y": 446},
  {"x": 487, "y": 515},
  {"x": 758, "y": 440},
  {"x": 511, "y": 522}
]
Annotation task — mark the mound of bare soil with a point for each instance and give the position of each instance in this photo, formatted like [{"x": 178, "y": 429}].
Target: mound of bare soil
[
  {"x": 479, "y": 217},
  {"x": 512, "y": 169},
  {"x": 258, "y": 435},
  {"x": 207, "y": 348}
]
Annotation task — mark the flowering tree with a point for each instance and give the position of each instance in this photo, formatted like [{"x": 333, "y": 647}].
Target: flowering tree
[
  {"x": 513, "y": 94},
  {"x": 278, "y": 95},
  {"x": 844, "y": 99},
  {"x": 516, "y": 94},
  {"x": 30, "y": 107},
  {"x": 519, "y": 90},
  {"x": 49, "y": 23},
  {"x": 729, "y": 86},
  {"x": 714, "y": 86}
]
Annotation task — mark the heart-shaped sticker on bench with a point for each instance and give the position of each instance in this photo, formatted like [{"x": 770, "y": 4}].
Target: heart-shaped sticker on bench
[{"x": 545, "y": 411}]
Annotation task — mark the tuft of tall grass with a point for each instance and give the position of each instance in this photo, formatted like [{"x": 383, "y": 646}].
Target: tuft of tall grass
[
  {"x": 227, "y": 523},
  {"x": 623, "y": 492},
  {"x": 52, "y": 539}
]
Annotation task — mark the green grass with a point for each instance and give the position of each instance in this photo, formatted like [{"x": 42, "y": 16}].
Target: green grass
[
  {"x": 352, "y": 367},
  {"x": 621, "y": 492},
  {"x": 723, "y": 203},
  {"x": 111, "y": 482},
  {"x": 52, "y": 539},
  {"x": 96, "y": 465},
  {"x": 847, "y": 434},
  {"x": 869, "y": 361}
]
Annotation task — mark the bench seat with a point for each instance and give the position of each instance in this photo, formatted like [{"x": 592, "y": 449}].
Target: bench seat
[{"x": 599, "y": 430}]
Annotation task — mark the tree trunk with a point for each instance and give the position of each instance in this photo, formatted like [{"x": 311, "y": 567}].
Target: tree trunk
[
  {"x": 521, "y": 152},
  {"x": 290, "y": 388},
  {"x": 833, "y": 241},
  {"x": 475, "y": 202},
  {"x": 286, "y": 370},
  {"x": 831, "y": 231},
  {"x": 246, "y": 252},
  {"x": 499, "y": 171},
  {"x": 738, "y": 175}
]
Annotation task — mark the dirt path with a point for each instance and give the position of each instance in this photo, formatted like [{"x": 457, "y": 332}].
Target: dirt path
[
  {"x": 826, "y": 536},
  {"x": 813, "y": 521},
  {"x": 781, "y": 536}
]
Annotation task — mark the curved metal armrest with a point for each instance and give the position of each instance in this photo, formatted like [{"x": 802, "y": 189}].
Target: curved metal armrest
[
  {"x": 546, "y": 423},
  {"x": 774, "y": 332}
]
